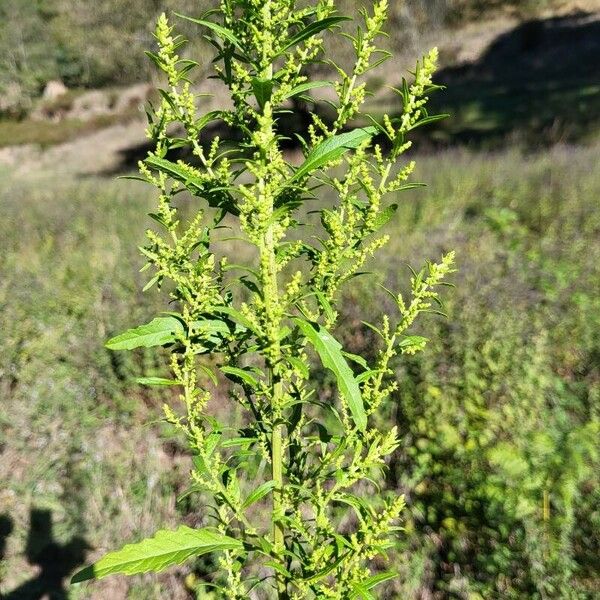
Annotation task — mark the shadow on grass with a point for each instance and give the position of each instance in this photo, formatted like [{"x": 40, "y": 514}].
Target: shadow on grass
[
  {"x": 537, "y": 83},
  {"x": 56, "y": 561}
]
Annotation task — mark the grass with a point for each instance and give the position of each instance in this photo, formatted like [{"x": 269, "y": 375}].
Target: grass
[
  {"x": 536, "y": 113},
  {"x": 79, "y": 438},
  {"x": 73, "y": 428},
  {"x": 49, "y": 133}
]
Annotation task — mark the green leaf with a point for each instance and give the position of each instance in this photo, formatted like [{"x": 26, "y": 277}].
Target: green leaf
[
  {"x": 330, "y": 352},
  {"x": 217, "y": 197},
  {"x": 284, "y": 205},
  {"x": 262, "y": 88},
  {"x": 384, "y": 216},
  {"x": 156, "y": 381},
  {"x": 373, "y": 328},
  {"x": 312, "y": 30},
  {"x": 362, "y": 589},
  {"x": 324, "y": 435},
  {"x": 332, "y": 149},
  {"x": 299, "y": 365},
  {"x": 361, "y": 592},
  {"x": 154, "y": 280},
  {"x": 410, "y": 186},
  {"x": 413, "y": 340},
  {"x": 209, "y": 372},
  {"x": 235, "y": 315},
  {"x": 241, "y": 376},
  {"x": 360, "y": 505},
  {"x": 366, "y": 375},
  {"x": 160, "y": 331},
  {"x": 222, "y": 32},
  {"x": 154, "y": 554},
  {"x": 169, "y": 100},
  {"x": 325, "y": 305},
  {"x": 154, "y": 58},
  {"x": 304, "y": 87},
  {"x": 245, "y": 442},
  {"x": 430, "y": 119},
  {"x": 176, "y": 171},
  {"x": 359, "y": 360},
  {"x": 272, "y": 564},
  {"x": 258, "y": 494},
  {"x": 209, "y": 326},
  {"x": 204, "y": 120}
]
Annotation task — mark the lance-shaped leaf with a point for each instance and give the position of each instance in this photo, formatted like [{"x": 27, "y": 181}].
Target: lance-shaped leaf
[
  {"x": 160, "y": 331},
  {"x": 305, "y": 87},
  {"x": 413, "y": 343},
  {"x": 258, "y": 494},
  {"x": 311, "y": 30},
  {"x": 156, "y": 381},
  {"x": 363, "y": 589},
  {"x": 235, "y": 316},
  {"x": 243, "y": 376},
  {"x": 154, "y": 554},
  {"x": 330, "y": 353},
  {"x": 209, "y": 328},
  {"x": 333, "y": 148},
  {"x": 222, "y": 32},
  {"x": 384, "y": 216}
]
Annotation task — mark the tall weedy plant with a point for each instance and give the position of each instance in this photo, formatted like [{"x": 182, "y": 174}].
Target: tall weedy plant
[{"x": 294, "y": 508}]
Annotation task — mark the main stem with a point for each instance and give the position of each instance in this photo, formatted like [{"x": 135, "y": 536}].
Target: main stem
[
  {"x": 277, "y": 432},
  {"x": 270, "y": 284}
]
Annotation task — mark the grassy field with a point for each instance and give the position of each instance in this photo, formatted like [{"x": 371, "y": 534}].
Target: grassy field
[{"x": 500, "y": 415}]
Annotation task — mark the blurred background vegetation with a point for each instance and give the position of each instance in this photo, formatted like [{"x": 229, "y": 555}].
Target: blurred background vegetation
[
  {"x": 94, "y": 44},
  {"x": 500, "y": 462}
]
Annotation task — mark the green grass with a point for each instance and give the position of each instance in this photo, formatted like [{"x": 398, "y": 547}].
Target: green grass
[
  {"x": 518, "y": 356},
  {"x": 74, "y": 430},
  {"x": 538, "y": 112},
  {"x": 498, "y": 114},
  {"x": 49, "y": 133}
]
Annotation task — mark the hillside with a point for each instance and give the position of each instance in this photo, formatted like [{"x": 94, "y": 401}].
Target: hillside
[
  {"x": 507, "y": 80},
  {"x": 89, "y": 44}
]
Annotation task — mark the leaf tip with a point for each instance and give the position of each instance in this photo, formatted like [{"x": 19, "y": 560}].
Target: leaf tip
[{"x": 84, "y": 574}]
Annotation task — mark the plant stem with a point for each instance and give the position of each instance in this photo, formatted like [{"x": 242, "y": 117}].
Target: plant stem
[
  {"x": 277, "y": 433},
  {"x": 276, "y": 438},
  {"x": 272, "y": 301},
  {"x": 270, "y": 287},
  {"x": 277, "y": 473}
]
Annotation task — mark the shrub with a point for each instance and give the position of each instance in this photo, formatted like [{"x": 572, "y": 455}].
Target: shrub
[{"x": 256, "y": 330}]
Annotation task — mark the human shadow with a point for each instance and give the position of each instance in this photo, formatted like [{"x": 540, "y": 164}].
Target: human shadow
[{"x": 56, "y": 561}]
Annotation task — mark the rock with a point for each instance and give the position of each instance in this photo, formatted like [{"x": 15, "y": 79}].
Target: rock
[{"x": 54, "y": 89}]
